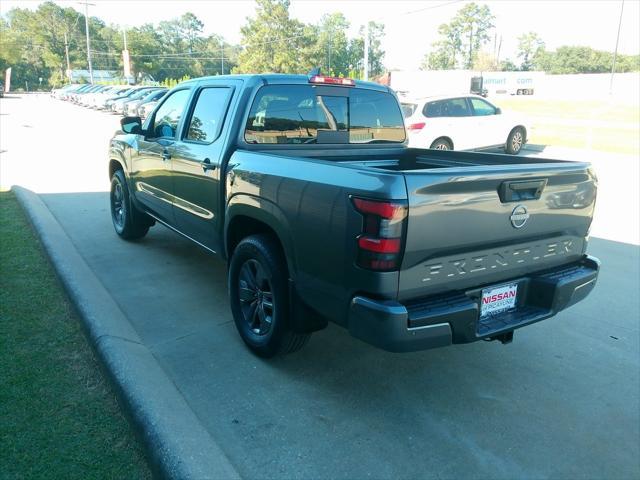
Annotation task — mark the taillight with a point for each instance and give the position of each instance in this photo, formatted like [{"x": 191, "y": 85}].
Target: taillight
[
  {"x": 415, "y": 127},
  {"x": 380, "y": 244}
]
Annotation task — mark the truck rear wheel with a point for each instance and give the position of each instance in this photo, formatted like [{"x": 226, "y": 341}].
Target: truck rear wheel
[{"x": 259, "y": 297}]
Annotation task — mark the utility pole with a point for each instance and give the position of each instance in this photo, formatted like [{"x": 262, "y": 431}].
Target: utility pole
[
  {"x": 126, "y": 61},
  {"x": 222, "y": 58},
  {"x": 366, "y": 51},
  {"x": 615, "y": 52},
  {"x": 86, "y": 29},
  {"x": 66, "y": 51}
]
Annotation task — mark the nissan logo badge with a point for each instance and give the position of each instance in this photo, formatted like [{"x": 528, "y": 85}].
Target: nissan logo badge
[{"x": 519, "y": 216}]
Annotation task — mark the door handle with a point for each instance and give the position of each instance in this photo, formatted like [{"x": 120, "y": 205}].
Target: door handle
[
  {"x": 166, "y": 155},
  {"x": 207, "y": 165}
]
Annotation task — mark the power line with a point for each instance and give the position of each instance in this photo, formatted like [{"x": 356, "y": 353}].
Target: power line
[{"x": 172, "y": 56}]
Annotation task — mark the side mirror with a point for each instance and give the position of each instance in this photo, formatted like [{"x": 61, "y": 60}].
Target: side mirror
[
  {"x": 131, "y": 125},
  {"x": 498, "y": 111}
]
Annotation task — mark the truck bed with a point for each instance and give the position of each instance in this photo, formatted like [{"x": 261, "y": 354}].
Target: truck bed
[
  {"x": 461, "y": 205},
  {"x": 410, "y": 159}
]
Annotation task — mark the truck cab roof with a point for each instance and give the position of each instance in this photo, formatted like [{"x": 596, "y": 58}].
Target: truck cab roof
[{"x": 279, "y": 79}]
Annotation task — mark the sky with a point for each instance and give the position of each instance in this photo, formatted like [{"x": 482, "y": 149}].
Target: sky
[{"x": 410, "y": 25}]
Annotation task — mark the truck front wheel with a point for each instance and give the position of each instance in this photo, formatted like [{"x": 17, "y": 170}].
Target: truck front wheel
[
  {"x": 259, "y": 297},
  {"x": 128, "y": 222}
]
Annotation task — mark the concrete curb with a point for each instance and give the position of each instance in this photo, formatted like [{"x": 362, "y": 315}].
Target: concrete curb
[{"x": 177, "y": 444}]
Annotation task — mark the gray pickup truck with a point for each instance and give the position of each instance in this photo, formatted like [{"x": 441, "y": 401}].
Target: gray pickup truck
[{"x": 305, "y": 186}]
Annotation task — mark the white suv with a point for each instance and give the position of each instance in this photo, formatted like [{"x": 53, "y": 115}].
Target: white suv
[{"x": 461, "y": 122}]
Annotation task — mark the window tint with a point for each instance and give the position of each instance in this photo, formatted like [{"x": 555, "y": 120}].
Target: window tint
[
  {"x": 408, "y": 109},
  {"x": 480, "y": 107},
  {"x": 208, "y": 115},
  {"x": 168, "y": 115},
  {"x": 455, "y": 107},
  {"x": 296, "y": 114}
]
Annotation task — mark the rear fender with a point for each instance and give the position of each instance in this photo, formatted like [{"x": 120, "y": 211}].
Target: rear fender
[
  {"x": 303, "y": 318},
  {"x": 267, "y": 213}
]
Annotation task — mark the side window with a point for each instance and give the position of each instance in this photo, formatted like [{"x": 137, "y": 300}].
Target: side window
[
  {"x": 206, "y": 121},
  {"x": 433, "y": 109},
  {"x": 167, "y": 117},
  {"x": 456, "y": 107},
  {"x": 480, "y": 107}
]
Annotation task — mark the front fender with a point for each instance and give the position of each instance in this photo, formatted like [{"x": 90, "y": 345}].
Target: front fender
[{"x": 119, "y": 150}]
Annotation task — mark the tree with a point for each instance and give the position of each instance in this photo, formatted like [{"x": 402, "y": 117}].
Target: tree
[
  {"x": 507, "y": 65},
  {"x": 331, "y": 51},
  {"x": 34, "y": 46},
  {"x": 274, "y": 42},
  {"x": 529, "y": 46},
  {"x": 485, "y": 62},
  {"x": 461, "y": 38},
  {"x": 474, "y": 22},
  {"x": 376, "y": 53},
  {"x": 190, "y": 28},
  {"x": 447, "y": 49},
  {"x": 579, "y": 59}
]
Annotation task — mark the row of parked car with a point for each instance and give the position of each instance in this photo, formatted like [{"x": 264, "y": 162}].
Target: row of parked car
[
  {"x": 133, "y": 100},
  {"x": 460, "y": 122}
]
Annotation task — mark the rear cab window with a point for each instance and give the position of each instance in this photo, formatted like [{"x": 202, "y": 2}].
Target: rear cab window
[{"x": 306, "y": 114}]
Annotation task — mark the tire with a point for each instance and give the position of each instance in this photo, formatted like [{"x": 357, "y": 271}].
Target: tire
[
  {"x": 441, "y": 144},
  {"x": 515, "y": 141},
  {"x": 259, "y": 297},
  {"x": 128, "y": 222}
]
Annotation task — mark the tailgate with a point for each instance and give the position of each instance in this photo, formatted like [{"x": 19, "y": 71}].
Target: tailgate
[{"x": 477, "y": 225}]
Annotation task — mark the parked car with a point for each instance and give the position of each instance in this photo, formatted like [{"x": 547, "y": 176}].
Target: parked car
[
  {"x": 126, "y": 94},
  {"x": 131, "y": 107},
  {"x": 117, "y": 106},
  {"x": 59, "y": 92},
  {"x": 78, "y": 95},
  {"x": 306, "y": 187},
  {"x": 72, "y": 94},
  {"x": 146, "y": 108},
  {"x": 462, "y": 122},
  {"x": 86, "y": 99},
  {"x": 103, "y": 102},
  {"x": 91, "y": 99}
]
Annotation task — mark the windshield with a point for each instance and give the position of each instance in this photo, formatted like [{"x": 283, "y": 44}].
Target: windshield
[{"x": 301, "y": 114}]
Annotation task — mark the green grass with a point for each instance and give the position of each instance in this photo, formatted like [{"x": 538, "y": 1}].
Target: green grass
[
  {"x": 59, "y": 419},
  {"x": 603, "y": 125},
  {"x": 603, "y": 110}
]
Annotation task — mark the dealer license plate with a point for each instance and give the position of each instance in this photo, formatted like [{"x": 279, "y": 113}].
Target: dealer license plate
[{"x": 498, "y": 299}]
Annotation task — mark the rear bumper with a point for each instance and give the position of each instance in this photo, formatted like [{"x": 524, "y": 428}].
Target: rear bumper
[{"x": 455, "y": 317}]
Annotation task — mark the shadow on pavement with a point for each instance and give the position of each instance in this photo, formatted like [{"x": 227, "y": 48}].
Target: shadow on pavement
[{"x": 559, "y": 401}]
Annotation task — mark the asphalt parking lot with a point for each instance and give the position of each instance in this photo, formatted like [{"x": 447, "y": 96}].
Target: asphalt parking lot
[{"x": 561, "y": 401}]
